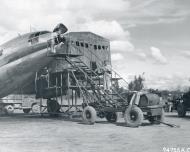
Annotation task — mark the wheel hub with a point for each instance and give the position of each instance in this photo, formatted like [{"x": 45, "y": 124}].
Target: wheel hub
[
  {"x": 88, "y": 114},
  {"x": 133, "y": 116}
]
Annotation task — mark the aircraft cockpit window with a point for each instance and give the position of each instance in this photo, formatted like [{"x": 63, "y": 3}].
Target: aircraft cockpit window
[
  {"x": 86, "y": 45},
  {"x": 99, "y": 47},
  {"x": 43, "y": 32},
  {"x": 82, "y": 44},
  {"x": 33, "y": 38},
  {"x": 95, "y": 47},
  {"x": 77, "y": 43}
]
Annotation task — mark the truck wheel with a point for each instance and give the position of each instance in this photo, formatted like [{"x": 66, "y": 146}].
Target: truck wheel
[
  {"x": 133, "y": 116},
  {"x": 111, "y": 117},
  {"x": 26, "y": 110},
  {"x": 89, "y": 115},
  {"x": 181, "y": 110},
  {"x": 157, "y": 119},
  {"x": 35, "y": 108},
  {"x": 53, "y": 107},
  {"x": 8, "y": 109}
]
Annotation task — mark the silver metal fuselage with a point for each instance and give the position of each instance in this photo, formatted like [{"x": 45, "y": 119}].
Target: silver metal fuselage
[{"x": 20, "y": 59}]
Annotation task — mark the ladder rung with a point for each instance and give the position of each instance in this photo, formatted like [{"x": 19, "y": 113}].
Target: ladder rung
[
  {"x": 53, "y": 87},
  {"x": 87, "y": 70},
  {"x": 76, "y": 87},
  {"x": 63, "y": 55},
  {"x": 71, "y": 69},
  {"x": 84, "y": 66},
  {"x": 113, "y": 94},
  {"x": 78, "y": 61},
  {"x": 115, "y": 79}
]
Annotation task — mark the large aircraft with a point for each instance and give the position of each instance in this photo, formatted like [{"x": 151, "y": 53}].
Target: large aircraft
[{"x": 23, "y": 56}]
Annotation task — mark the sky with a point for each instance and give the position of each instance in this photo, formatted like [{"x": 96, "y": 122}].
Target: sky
[{"x": 147, "y": 37}]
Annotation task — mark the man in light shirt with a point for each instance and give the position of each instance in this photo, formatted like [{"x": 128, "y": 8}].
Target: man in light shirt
[{"x": 107, "y": 76}]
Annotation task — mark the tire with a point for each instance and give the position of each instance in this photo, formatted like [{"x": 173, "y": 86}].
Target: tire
[
  {"x": 89, "y": 115},
  {"x": 26, "y": 110},
  {"x": 181, "y": 110},
  {"x": 9, "y": 109},
  {"x": 35, "y": 108},
  {"x": 53, "y": 108},
  {"x": 101, "y": 115},
  {"x": 111, "y": 117},
  {"x": 133, "y": 116},
  {"x": 157, "y": 119}
]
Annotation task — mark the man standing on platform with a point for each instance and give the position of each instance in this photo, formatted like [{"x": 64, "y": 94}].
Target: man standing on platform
[{"x": 107, "y": 76}]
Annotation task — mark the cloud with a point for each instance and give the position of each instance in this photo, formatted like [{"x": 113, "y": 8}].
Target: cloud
[
  {"x": 109, "y": 29},
  {"x": 166, "y": 81},
  {"x": 80, "y": 15},
  {"x": 122, "y": 46},
  {"x": 186, "y": 54},
  {"x": 119, "y": 39},
  {"x": 103, "y": 7},
  {"x": 157, "y": 55},
  {"x": 116, "y": 57},
  {"x": 112, "y": 30},
  {"x": 45, "y": 13},
  {"x": 155, "y": 11},
  {"x": 107, "y": 18},
  {"x": 141, "y": 54}
]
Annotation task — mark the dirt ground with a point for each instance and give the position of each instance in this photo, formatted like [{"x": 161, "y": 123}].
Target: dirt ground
[{"x": 28, "y": 133}]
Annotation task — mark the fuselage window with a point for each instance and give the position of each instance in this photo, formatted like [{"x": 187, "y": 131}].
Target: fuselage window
[
  {"x": 86, "y": 45},
  {"x": 77, "y": 43},
  {"x": 95, "y": 47},
  {"x": 103, "y": 47},
  {"x": 82, "y": 44},
  {"x": 99, "y": 47}
]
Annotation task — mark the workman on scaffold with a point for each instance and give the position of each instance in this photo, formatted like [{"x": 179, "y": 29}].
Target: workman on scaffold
[{"x": 107, "y": 76}]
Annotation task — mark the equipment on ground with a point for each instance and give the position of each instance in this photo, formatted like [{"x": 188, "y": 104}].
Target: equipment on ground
[
  {"x": 182, "y": 104},
  {"x": 88, "y": 83},
  {"x": 72, "y": 67}
]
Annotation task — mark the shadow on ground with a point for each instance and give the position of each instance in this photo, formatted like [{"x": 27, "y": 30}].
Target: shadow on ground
[{"x": 173, "y": 115}]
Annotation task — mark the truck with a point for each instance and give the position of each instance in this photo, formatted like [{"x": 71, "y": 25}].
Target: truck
[
  {"x": 182, "y": 104},
  {"x": 26, "y": 103},
  {"x": 142, "y": 105}
]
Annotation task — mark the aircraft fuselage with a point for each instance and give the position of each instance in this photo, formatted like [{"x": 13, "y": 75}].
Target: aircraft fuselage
[{"x": 21, "y": 58}]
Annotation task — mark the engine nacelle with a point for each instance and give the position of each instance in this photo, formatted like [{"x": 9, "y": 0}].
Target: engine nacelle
[{"x": 60, "y": 29}]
